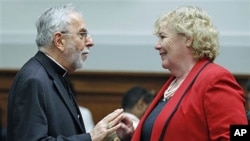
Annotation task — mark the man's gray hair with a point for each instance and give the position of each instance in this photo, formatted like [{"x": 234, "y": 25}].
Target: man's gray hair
[{"x": 53, "y": 20}]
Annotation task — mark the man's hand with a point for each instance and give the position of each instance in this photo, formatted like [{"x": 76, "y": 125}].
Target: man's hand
[{"x": 107, "y": 125}]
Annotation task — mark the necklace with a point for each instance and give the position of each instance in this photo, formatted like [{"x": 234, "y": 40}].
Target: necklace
[{"x": 171, "y": 89}]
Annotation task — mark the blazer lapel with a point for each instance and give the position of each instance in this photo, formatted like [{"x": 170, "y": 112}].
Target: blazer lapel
[
  {"x": 68, "y": 103},
  {"x": 159, "y": 96},
  {"x": 48, "y": 65},
  {"x": 171, "y": 107},
  {"x": 168, "y": 110}
]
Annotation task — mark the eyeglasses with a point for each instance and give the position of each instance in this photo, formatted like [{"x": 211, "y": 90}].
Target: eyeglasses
[{"x": 82, "y": 34}]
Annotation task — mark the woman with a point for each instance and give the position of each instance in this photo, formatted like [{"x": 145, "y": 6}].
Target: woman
[{"x": 201, "y": 99}]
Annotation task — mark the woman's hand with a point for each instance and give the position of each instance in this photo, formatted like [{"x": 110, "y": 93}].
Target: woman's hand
[{"x": 126, "y": 130}]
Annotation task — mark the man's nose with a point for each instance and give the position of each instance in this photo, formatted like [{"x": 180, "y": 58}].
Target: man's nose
[{"x": 89, "y": 41}]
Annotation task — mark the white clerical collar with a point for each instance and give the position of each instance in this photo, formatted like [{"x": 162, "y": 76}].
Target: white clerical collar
[{"x": 58, "y": 64}]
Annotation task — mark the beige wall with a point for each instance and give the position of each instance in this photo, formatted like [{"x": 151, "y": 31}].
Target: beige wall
[{"x": 122, "y": 31}]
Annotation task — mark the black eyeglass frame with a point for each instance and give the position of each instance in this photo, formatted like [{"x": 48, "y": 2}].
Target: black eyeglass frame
[{"x": 83, "y": 34}]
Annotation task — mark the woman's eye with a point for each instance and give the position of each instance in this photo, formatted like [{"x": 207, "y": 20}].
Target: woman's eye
[{"x": 162, "y": 36}]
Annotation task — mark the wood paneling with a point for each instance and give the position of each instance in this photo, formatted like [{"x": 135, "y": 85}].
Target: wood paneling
[{"x": 101, "y": 92}]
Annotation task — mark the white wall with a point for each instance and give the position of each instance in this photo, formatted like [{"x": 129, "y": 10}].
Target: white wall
[{"x": 122, "y": 31}]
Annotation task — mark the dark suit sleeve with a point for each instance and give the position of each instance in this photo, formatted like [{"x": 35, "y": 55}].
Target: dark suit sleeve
[{"x": 30, "y": 115}]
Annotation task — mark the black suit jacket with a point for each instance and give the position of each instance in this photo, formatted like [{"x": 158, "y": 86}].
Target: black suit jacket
[{"x": 39, "y": 107}]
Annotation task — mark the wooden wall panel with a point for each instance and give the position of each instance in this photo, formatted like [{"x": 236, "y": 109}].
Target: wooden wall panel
[
  {"x": 6, "y": 77},
  {"x": 101, "y": 92}
]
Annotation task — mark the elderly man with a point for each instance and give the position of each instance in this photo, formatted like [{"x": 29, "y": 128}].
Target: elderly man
[{"x": 41, "y": 104}]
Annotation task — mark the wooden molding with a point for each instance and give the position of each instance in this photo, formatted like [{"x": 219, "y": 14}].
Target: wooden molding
[{"x": 101, "y": 92}]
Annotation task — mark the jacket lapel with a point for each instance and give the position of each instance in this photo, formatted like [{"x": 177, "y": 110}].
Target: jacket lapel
[
  {"x": 46, "y": 62},
  {"x": 65, "y": 97},
  {"x": 167, "y": 111}
]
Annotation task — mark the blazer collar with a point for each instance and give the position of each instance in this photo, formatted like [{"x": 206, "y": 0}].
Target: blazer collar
[{"x": 168, "y": 108}]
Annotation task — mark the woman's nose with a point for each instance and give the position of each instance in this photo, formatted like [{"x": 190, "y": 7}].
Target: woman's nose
[{"x": 157, "y": 45}]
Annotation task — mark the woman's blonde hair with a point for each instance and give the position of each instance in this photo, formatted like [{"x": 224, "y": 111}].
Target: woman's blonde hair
[{"x": 192, "y": 22}]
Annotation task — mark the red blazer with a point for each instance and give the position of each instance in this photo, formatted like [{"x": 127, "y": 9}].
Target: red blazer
[{"x": 209, "y": 106}]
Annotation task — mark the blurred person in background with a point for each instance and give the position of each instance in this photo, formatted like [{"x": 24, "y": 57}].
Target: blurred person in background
[{"x": 135, "y": 102}]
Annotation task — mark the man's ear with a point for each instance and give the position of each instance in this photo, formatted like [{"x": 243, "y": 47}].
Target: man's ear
[{"x": 58, "y": 40}]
